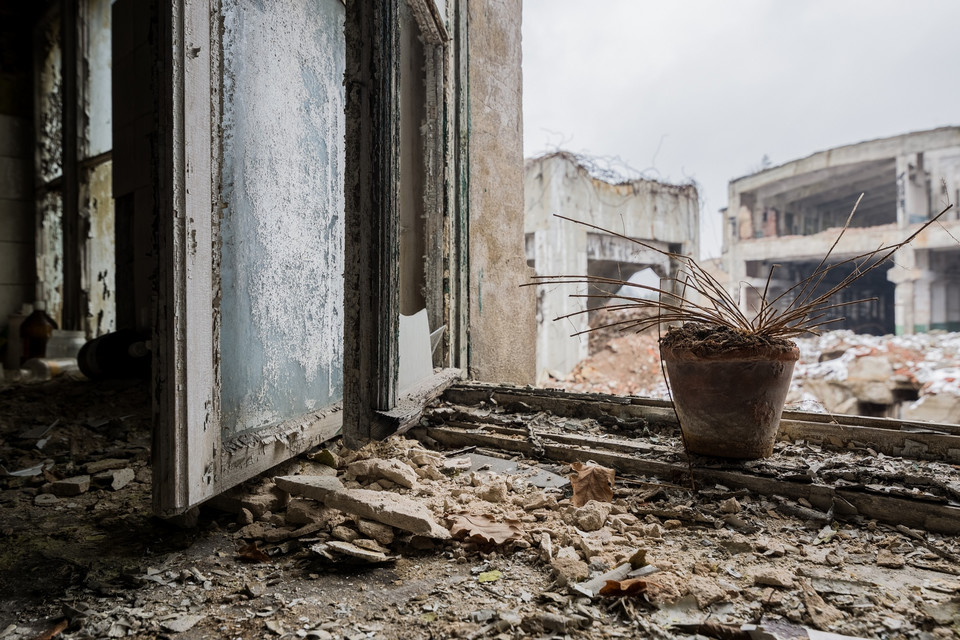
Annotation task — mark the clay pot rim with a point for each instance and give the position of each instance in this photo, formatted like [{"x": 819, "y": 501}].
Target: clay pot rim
[{"x": 741, "y": 354}]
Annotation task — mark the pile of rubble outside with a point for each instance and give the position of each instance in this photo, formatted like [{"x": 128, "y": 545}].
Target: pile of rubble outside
[{"x": 910, "y": 377}]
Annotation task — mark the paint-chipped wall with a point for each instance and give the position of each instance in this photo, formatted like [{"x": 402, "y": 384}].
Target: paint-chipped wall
[
  {"x": 281, "y": 337},
  {"x": 502, "y": 315},
  {"x": 17, "y": 210}
]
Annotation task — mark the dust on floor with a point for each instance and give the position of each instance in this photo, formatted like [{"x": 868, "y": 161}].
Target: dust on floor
[{"x": 386, "y": 564}]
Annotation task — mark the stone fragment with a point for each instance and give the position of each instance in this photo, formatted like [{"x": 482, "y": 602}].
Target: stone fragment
[
  {"x": 115, "y": 479},
  {"x": 773, "y": 577},
  {"x": 730, "y": 505},
  {"x": 181, "y": 623},
  {"x": 313, "y": 487},
  {"x": 568, "y": 571},
  {"x": 354, "y": 551},
  {"x": 45, "y": 500},
  {"x": 71, "y": 486},
  {"x": 326, "y": 457},
  {"x": 821, "y": 613},
  {"x": 671, "y": 525},
  {"x": 382, "y": 533},
  {"x": 245, "y": 517},
  {"x": 271, "y": 499},
  {"x": 391, "y": 509},
  {"x": 540, "y": 501},
  {"x": 592, "y": 516},
  {"x": 93, "y": 468},
  {"x": 889, "y": 559},
  {"x": 346, "y": 534},
  {"x": 492, "y": 490},
  {"x": 705, "y": 590},
  {"x": 372, "y": 545},
  {"x": 546, "y": 548},
  {"x": 303, "y": 511},
  {"x": 377, "y": 468}
]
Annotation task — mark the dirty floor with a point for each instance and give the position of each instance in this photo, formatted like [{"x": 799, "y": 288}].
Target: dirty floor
[{"x": 462, "y": 541}]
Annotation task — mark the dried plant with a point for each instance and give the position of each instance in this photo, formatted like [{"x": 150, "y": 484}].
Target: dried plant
[{"x": 797, "y": 311}]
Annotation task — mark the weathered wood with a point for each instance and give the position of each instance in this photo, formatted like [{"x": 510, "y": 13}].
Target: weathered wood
[
  {"x": 187, "y": 438},
  {"x": 931, "y": 516},
  {"x": 906, "y": 444},
  {"x": 371, "y": 276},
  {"x": 908, "y": 439},
  {"x": 410, "y": 407},
  {"x": 249, "y": 454}
]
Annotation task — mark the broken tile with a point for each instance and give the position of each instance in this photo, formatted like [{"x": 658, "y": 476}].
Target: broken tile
[{"x": 93, "y": 468}]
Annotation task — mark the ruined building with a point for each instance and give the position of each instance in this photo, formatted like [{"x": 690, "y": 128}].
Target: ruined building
[
  {"x": 791, "y": 214},
  {"x": 662, "y": 215}
]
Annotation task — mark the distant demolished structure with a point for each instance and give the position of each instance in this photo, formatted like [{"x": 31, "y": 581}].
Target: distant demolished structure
[
  {"x": 790, "y": 215},
  {"x": 662, "y": 215}
]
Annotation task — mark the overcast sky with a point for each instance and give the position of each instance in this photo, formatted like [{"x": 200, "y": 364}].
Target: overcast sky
[{"x": 703, "y": 89}]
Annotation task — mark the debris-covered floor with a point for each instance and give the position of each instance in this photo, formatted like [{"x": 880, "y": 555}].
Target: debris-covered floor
[{"x": 478, "y": 533}]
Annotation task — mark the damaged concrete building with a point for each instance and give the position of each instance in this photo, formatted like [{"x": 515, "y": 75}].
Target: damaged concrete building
[
  {"x": 662, "y": 215},
  {"x": 790, "y": 215}
]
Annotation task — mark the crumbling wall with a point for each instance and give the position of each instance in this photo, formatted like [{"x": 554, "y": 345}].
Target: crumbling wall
[
  {"x": 502, "y": 315},
  {"x": 662, "y": 215}
]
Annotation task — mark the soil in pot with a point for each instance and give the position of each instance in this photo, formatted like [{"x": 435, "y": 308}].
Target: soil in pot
[{"x": 728, "y": 388}]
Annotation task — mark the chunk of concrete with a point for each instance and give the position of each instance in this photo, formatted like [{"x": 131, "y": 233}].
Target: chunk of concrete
[
  {"x": 377, "y": 468},
  {"x": 71, "y": 486},
  {"x": 116, "y": 479},
  {"x": 313, "y": 487},
  {"x": 391, "y": 509}
]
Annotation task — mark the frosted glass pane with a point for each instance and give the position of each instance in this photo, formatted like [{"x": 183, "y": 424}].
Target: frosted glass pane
[{"x": 281, "y": 338}]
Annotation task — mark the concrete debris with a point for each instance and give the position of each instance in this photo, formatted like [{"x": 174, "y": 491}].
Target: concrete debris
[
  {"x": 317, "y": 553},
  {"x": 70, "y": 486},
  {"x": 375, "y": 469},
  {"x": 115, "y": 479},
  {"x": 387, "y": 508},
  {"x": 313, "y": 487}
]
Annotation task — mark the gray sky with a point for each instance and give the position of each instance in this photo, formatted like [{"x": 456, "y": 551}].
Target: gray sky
[{"x": 703, "y": 89}]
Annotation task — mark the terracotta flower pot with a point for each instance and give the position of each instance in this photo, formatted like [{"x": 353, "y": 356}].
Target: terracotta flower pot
[{"x": 730, "y": 402}]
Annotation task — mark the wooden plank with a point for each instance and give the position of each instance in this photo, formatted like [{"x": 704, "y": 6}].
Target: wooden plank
[
  {"x": 915, "y": 445},
  {"x": 931, "y": 516},
  {"x": 915, "y": 440},
  {"x": 247, "y": 455},
  {"x": 410, "y": 407}
]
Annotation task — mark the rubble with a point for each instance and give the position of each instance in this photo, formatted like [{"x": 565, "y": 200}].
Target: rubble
[{"x": 333, "y": 556}]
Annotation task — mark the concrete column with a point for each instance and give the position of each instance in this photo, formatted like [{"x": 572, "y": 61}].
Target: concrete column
[
  {"x": 922, "y": 279},
  {"x": 913, "y": 196},
  {"x": 560, "y": 250},
  {"x": 938, "y": 304},
  {"x": 901, "y": 274}
]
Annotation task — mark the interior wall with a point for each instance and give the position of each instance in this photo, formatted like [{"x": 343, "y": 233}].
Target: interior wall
[{"x": 17, "y": 270}]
